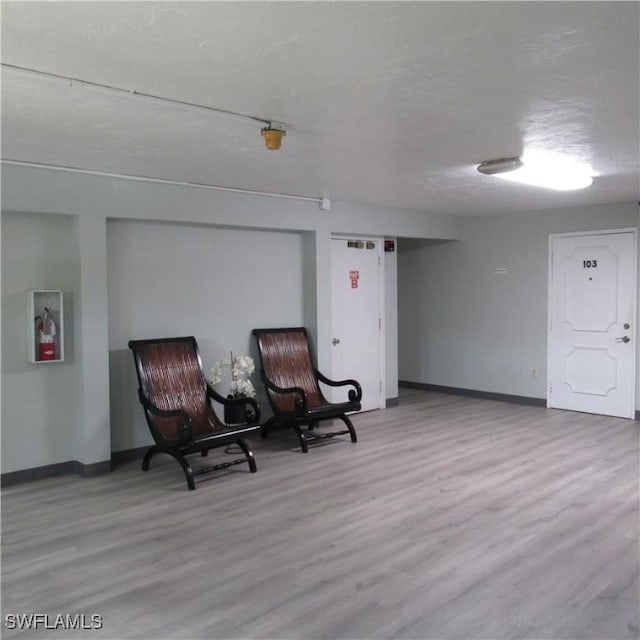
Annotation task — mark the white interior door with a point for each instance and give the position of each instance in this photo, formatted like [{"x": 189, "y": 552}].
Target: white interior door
[
  {"x": 357, "y": 303},
  {"x": 592, "y": 316}
]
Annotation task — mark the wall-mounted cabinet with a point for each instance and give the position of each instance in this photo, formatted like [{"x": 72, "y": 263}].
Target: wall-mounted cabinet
[{"x": 46, "y": 326}]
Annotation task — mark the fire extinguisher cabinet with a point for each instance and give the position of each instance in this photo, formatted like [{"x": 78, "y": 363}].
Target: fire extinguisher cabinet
[{"x": 46, "y": 326}]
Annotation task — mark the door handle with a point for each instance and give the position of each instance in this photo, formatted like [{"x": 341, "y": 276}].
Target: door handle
[
  {"x": 624, "y": 339},
  {"x": 335, "y": 341}
]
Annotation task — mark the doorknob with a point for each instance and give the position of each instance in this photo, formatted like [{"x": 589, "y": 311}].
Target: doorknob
[
  {"x": 335, "y": 341},
  {"x": 624, "y": 339}
]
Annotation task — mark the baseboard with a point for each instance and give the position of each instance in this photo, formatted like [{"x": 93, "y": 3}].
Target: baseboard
[
  {"x": 52, "y": 470},
  {"x": 392, "y": 402},
  {"x": 128, "y": 455},
  {"x": 472, "y": 393},
  {"x": 73, "y": 467}
]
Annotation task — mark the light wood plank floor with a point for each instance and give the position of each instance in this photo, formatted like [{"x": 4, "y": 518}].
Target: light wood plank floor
[{"x": 451, "y": 518}]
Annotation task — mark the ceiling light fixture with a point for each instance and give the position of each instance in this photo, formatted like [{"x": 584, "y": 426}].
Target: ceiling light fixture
[
  {"x": 503, "y": 165},
  {"x": 540, "y": 170},
  {"x": 273, "y": 136}
]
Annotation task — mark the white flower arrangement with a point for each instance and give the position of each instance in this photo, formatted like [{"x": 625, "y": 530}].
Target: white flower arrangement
[{"x": 241, "y": 368}]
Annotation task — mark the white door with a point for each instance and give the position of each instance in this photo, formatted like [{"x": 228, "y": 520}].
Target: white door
[
  {"x": 592, "y": 316},
  {"x": 357, "y": 303}
]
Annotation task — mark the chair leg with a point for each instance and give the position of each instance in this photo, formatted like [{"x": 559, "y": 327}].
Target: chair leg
[
  {"x": 301, "y": 437},
  {"x": 188, "y": 471},
  {"x": 147, "y": 457},
  {"x": 247, "y": 452},
  {"x": 352, "y": 431}
]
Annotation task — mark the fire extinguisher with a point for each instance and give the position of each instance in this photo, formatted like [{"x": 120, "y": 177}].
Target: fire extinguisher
[{"x": 46, "y": 336}]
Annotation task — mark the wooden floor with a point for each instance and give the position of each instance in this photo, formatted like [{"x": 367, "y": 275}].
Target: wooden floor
[{"x": 451, "y": 518}]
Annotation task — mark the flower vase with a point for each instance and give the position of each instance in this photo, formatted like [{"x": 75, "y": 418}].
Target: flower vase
[{"x": 235, "y": 414}]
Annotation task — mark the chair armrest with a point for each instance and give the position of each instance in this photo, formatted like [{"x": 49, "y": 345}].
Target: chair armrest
[
  {"x": 252, "y": 413},
  {"x": 184, "y": 429},
  {"x": 355, "y": 394},
  {"x": 300, "y": 402}
]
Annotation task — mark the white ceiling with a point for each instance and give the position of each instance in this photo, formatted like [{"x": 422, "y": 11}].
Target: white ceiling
[{"x": 388, "y": 103}]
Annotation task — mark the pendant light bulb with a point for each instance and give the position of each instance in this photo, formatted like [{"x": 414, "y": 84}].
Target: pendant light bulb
[{"x": 273, "y": 137}]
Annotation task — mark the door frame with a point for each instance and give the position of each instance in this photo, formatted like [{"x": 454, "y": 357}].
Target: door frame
[
  {"x": 382, "y": 373},
  {"x": 635, "y": 276}
]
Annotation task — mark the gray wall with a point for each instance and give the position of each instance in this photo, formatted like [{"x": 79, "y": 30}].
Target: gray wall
[
  {"x": 124, "y": 251},
  {"x": 213, "y": 283},
  {"x": 463, "y": 325},
  {"x": 391, "y": 321},
  {"x": 40, "y": 403}
]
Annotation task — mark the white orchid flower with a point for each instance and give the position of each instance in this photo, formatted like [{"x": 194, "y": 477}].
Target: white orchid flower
[{"x": 241, "y": 367}]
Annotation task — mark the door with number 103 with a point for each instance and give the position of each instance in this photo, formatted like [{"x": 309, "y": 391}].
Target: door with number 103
[{"x": 592, "y": 322}]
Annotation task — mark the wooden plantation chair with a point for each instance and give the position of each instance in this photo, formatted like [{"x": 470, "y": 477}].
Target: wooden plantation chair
[
  {"x": 177, "y": 403},
  {"x": 292, "y": 384}
]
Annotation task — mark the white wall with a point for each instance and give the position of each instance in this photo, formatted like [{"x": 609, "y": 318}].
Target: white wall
[
  {"x": 102, "y": 288},
  {"x": 462, "y": 325}
]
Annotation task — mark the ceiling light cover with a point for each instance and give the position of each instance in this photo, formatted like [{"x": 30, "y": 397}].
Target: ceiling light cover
[
  {"x": 557, "y": 178},
  {"x": 273, "y": 137},
  {"x": 544, "y": 170},
  {"x": 503, "y": 165}
]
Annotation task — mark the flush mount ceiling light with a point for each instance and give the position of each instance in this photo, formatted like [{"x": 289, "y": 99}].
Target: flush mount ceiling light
[
  {"x": 273, "y": 137},
  {"x": 503, "y": 165},
  {"x": 547, "y": 171}
]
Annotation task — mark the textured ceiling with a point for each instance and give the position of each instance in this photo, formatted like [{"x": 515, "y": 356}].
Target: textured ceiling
[{"x": 389, "y": 103}]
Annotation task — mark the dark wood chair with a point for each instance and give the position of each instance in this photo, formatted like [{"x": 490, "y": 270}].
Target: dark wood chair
[
  {"x": 292, "y": 384},
  {"x": 178, "y": 405}
]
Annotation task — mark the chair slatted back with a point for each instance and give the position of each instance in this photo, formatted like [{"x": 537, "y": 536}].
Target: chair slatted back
[
  {"x": 171, "y": 377},
  {"x": 286, "y": 361}
]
